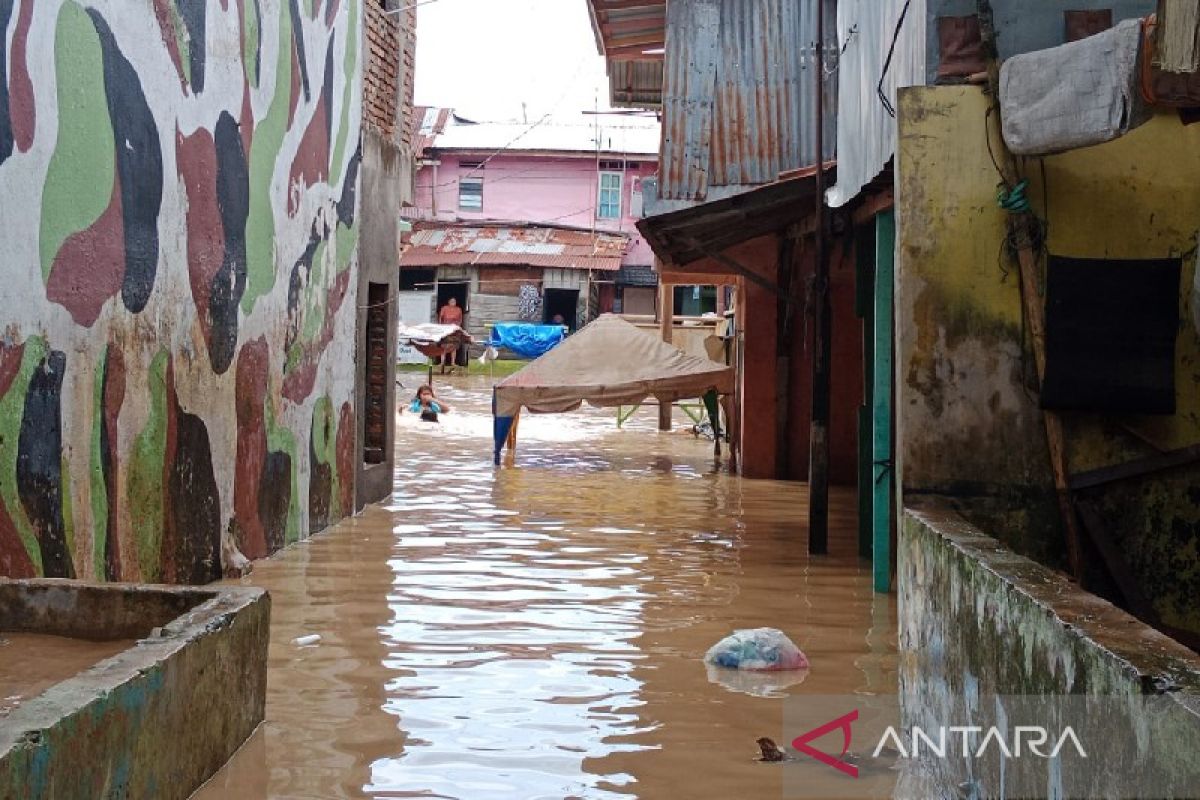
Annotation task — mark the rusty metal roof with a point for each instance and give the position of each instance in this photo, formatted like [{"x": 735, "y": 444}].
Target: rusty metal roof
[
  {"x": 739, "y": 95},
  {"x": 630, "y": 34},
  {"x": 628, "y": 28},
  {"x": 514, "y": 245},
  {"x": 635, "y": 84},
  {"x": 428, "y": 123},
  {"x": 680, "y": 237}
]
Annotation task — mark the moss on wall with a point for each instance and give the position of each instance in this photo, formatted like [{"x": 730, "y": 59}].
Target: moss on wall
[{"x": 968, "y": 424}]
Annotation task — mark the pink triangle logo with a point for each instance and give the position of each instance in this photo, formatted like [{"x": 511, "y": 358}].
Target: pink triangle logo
[{"x": 801, "y": 743}]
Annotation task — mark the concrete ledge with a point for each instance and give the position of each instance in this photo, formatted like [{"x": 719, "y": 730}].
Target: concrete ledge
[
  {"x": 156, "y": 720},
  {"x": 968, "y": 601},
  {"x": 978, "y": 621}
]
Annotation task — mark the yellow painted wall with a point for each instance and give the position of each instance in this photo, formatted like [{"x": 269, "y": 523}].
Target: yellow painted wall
[{"x": 966, "y": 424}]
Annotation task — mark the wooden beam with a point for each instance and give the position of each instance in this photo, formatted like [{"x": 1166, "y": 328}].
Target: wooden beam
[
  {"x": 619, "y": 5},
  {"x": 873, "y": 205},
  {"x": 1136, "y": 468},
  {"x": 1110, "y": 553},
  {"x": 635, "y": 52},
  {"x": 1023, "y": 227},
  {"x": 666, "y": 315},
  {"x": 738, "y": 268},
  {"x": 626, "y": 24}
]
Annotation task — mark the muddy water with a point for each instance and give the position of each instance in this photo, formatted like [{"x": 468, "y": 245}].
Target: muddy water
[
  {"x": 30, "y": 663},
  {"x": 537, "y": 632}
]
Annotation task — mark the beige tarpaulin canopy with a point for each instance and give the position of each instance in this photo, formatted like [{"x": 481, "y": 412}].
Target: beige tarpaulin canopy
[{"x": 610, "y": 362}]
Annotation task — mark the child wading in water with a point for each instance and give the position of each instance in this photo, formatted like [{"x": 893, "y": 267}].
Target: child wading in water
[{"x": 427, "y": 405}]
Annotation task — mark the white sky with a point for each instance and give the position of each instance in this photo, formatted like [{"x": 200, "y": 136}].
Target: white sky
[{"x": 485, "y": 57}]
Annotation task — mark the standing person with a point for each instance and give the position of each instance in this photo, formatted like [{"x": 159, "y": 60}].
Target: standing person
[{"x": 450, "y": 314}]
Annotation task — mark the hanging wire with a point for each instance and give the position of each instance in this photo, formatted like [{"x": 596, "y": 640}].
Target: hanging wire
[{"x": 887, "y": 65}]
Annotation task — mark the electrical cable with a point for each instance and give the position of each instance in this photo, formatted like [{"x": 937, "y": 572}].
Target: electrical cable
[{"x": 887, "y": 65}]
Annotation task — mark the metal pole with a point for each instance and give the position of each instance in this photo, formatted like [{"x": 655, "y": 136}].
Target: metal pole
[{"x": 818, "y": 453}]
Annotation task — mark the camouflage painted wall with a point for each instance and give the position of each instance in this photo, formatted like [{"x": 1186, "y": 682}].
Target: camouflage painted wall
[{"x": 178, "y": 235}]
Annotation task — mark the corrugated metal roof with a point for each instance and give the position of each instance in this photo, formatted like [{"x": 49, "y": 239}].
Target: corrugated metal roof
[
  {"x": 680, "y": 237},
  {"x": 536, "y": 246},
  {"x": 428, "y": 123},
  {"x": 628, "y": 28},
  {"x": 739, "y": 95},
  {"x": 616, "y": 134},
  {"x": 635, "y": 84},
  {"x": 866, "y": 136}
]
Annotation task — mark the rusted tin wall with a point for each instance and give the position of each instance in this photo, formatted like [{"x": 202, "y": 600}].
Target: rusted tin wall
[{"x": 739, "y": 94}]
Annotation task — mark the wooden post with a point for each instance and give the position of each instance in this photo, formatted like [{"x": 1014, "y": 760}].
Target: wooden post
[
  {"x": 785, "y": 306},
  {"x": 666, "y": 315},
  {"x": 818, "y": 453},
  {"x": 1022, "y": 228},
  {"x": 882, "y": 471}
]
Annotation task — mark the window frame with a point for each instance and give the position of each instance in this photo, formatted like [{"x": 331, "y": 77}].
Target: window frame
[
  {"x": 601, "y": 189},
  {"x": 475, "y": 180}
]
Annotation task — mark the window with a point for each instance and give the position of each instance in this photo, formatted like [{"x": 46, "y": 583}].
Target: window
[
  {"x": 608, "y": 205},
  {"x": 470, "y": 192},
  {"x": 378, "y": 368}
]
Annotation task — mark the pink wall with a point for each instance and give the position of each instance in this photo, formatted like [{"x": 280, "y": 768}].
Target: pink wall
[{"x": 527, "y": 187}]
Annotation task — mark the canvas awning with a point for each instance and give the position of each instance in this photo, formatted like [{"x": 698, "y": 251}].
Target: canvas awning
[
  {"x": 433, "y": 340},
  {"x": 610, "y": 362}
]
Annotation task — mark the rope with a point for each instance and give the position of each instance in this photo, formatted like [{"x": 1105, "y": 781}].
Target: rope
[{"x": 1014, "y": 200}]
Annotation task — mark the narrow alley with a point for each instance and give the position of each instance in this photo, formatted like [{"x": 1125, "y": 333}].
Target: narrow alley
[
  {"x": 595, "y": 399},
  {"x": 539, "y": 632}
]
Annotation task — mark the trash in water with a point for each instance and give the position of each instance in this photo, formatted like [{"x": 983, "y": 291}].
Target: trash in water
[
  {"x": 303, "y": 641},
  {"x": 758, "y": 649},
  {"x": 770, "y": 751}
]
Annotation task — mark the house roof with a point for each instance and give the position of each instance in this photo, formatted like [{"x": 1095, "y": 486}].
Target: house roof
[
  {"x": 606, "y": 133},
  {"x": 679, "y": 238},
  {"x": 515, "y": 245},
  {"x": 629, "y": 28},
  {"x": 428, "y": 123}
]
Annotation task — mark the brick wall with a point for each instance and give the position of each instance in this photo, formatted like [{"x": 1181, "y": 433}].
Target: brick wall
[{"x": 390, "y": 42}]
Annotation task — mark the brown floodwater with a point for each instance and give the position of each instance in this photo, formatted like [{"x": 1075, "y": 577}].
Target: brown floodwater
[
  {"x": 538, "y": 631},
  {"x": 30, "y": 663}
]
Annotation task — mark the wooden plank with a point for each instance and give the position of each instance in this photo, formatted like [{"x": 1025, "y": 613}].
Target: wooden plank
[
  {"x": 1022, "y": 228},
  {"x": 1136, "y": 602},
  {"x": 881, "y": 402},
  {"x": 1136, "y": 468},
  {"x": 864, "y": 309}
]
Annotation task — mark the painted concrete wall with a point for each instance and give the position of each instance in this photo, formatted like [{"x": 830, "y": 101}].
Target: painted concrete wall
[
  {"x": 1023, "y": 25},
  {"x": 966, "y": 424},
  {"x": 535, "y": 188},
  {"x": 978, "y": 621},
  {"x": 179, "y": 237}
]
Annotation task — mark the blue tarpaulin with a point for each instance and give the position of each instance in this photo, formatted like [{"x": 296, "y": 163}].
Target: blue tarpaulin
[{"x": 524, "y": 339}]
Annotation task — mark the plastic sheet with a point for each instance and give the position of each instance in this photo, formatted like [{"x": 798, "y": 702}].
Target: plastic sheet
[
  {"x": 524, "y": 339},
  {"x": 757, "y": 649}
]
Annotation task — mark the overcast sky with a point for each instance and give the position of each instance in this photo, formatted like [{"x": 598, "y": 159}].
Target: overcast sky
[{"x": 485, "y": 57}]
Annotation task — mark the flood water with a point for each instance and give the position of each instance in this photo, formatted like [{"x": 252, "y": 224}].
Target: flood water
[
  {"x": 538, "y": 631},
  {"x": 30, "y": 663}
]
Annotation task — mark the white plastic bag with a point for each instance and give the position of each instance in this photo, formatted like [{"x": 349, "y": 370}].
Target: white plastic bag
[{"x": 757, "y": 649}]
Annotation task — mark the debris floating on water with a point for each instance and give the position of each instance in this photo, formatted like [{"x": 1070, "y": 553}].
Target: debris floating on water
[
  {"x": 757, "y": 649},
  {"x": 304, "y": 641},
  {"x": 770, "y": 750}
]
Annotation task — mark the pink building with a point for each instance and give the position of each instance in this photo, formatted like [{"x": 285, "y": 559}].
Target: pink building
[{"x": 528, "y": 221}]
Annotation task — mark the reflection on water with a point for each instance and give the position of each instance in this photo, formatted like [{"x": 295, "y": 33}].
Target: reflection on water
[{"x": 538, "y": 632}]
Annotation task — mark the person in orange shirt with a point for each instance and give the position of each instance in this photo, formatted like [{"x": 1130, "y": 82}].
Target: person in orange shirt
[{"x": 450, "y": 314}]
